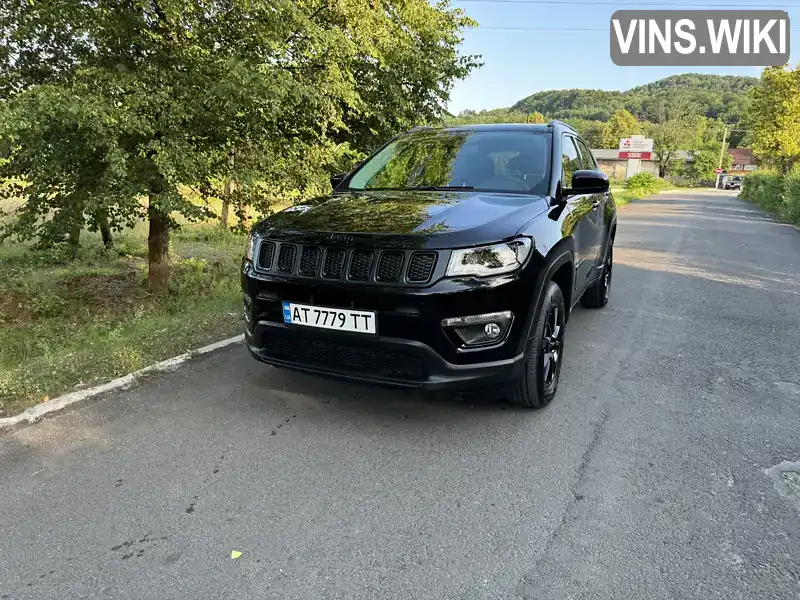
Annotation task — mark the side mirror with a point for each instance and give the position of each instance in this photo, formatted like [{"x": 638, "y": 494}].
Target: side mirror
[
  {"x": 589, "y": 182},
  {"x": 337, "y": 179}
]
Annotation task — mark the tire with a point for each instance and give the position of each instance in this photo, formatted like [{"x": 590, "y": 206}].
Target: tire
[
  {"x": 597, "y": 295},
  {"x": 544, "y": 353}
]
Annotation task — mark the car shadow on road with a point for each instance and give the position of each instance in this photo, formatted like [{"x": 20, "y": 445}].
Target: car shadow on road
[{"x": 378, "y": 400}]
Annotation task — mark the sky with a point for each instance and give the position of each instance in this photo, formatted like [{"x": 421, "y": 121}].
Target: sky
[{"x": 518, "y": 63}]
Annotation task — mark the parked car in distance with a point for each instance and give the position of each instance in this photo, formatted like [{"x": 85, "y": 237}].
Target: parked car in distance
[
  {"x": 449, "y": 260},
  {"x": 733, "y": 183}
]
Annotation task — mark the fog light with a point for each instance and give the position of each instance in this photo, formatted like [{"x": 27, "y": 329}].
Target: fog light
[
  {"x": 480, "y": 329},
  {"x": 247, "y": 309}
]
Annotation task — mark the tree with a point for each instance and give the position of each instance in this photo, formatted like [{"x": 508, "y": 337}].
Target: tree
[
  {"x": 705, "y": 159},
  {"x": 114, "y": 109},
  {"x": 536, "y": 117},
  {"x": 622, "y": 124},
  {"x": 676, "y": 126},
  {"x": 497, "y": 115},
  {"x": 591, "y": 131},
  {"x": 774, "y": 117}
]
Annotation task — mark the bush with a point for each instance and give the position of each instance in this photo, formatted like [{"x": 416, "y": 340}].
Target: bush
[
  {"x": 644, "y": 184},
  {"x": 776, "y": 194},
  {"x": 791, "y": 198}
]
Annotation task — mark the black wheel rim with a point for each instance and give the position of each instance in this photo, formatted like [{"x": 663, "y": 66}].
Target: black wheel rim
[
  {"x": 607, "y": 273},
  {"x": 552, "y": 346}
]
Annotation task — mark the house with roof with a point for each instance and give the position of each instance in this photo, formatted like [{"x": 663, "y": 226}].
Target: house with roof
[{"x": 744, "y": 161}]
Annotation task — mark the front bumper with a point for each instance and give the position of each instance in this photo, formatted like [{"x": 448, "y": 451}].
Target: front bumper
[
  {"x": 411, "y": 347},
  {"x": 389, "y": 361}
]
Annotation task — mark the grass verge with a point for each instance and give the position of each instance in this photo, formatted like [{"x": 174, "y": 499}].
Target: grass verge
[
  {"x": 67, "y": 324},
  {"x": 623, "y": 197}
]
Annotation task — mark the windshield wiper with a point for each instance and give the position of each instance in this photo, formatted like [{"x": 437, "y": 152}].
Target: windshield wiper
[{"x": 442, "y": 188}]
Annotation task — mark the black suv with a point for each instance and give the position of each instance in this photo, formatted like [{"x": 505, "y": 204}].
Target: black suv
[{"x": 448, "y": 260}]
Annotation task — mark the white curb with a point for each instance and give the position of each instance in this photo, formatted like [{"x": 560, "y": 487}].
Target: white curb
[{"x": 34, "y": 413}]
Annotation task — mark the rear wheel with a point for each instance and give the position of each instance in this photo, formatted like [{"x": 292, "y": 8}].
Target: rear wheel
[
  {"x": 597, "y": 295},
  {"x": 544, "y": 353}
]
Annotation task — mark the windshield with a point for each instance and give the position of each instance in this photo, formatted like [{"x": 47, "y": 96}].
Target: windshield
[{"x": 492, "y": 161}]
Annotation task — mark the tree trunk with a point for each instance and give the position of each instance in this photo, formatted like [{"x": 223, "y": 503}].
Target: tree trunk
[
  {"x": 105, "y": 230},
  {"x": 226, "y": 204},
  {"x": 158, "y": 252},
  {"x": 244, "y": 218},
  {"x": 74, "y": 239}
]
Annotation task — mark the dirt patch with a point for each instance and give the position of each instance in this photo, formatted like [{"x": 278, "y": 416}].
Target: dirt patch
[{"x": 15, "y": 307}]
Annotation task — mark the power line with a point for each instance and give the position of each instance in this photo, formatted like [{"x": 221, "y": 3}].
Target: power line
[
  {"x": 661, "y": 5},
  {"x": 503, "y": 28}
]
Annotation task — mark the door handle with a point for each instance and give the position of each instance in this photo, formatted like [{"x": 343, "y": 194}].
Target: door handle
[{"x": 595, "y": 204}]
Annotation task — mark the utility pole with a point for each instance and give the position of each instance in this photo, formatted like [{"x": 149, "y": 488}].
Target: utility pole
[{"x": 721, "y": 154}]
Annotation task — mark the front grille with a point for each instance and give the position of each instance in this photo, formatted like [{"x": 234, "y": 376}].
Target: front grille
[
  {"x": 361, "y": 265},
  {"x": 389, "y": 266},
  {"x": 358, "y": 265},
  {"x": 420, "y": 266},
  {"x": 309, "y": 261},
  {"x": 286, "y": 258},
  {"x": 334, "y": 263},
  {"x": 265, "y": 255},
  {"x": 345, "y": 357}
]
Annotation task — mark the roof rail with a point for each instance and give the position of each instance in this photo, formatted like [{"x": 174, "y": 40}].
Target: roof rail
[{"x": 555, "y": 122}]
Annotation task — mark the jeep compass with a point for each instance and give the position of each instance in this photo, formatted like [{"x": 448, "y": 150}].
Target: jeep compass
[{"x": 450, "y": 259}]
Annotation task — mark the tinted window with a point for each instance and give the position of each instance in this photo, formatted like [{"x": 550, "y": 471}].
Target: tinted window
[
  {"x": 504, "y": 161},
  {"x": 570, "y": 160},
  {"x": 587, "y": 160}
]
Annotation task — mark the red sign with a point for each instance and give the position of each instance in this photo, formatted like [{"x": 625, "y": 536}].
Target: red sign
[
  {"x": 717, "y": 171},
  {"x": 639, "y": 155}
]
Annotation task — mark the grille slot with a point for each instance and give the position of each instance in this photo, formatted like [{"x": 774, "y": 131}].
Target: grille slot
[
  {"x": 265, "y": 255},
  {"x": 286, "y": 258},
  {"x": 360, "y": 265},
  {"x": 420, "y": 267},
  {"x": 389, "y": 266},
  {"x": 334, "y": 263},
  {"x": 309, "y": 260},
  {"x": 345, "y": 357}
]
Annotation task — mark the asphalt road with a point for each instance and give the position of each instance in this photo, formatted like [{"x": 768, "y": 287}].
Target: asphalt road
[{"x": 644, "y": 479}]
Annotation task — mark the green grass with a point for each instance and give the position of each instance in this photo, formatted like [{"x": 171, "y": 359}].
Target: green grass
[
  {"x": 623, "y": 197},
  {"x": 75, "y": 323}
]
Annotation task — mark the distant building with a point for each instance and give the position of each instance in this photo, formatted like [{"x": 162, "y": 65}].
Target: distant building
[
  {"x": 612, "y": 165},
  {"x": 744, "y": 161}
]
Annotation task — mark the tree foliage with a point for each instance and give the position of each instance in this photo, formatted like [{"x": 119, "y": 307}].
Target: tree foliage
[
  {"x": 117, "y": 106},
  {"x": 717, "y": 96},
  {"x": 705, "y": 160},
  {"x": 674, "y": 125},
  {"x": 622, "y": 124},
  {"x": 774, "y": 117},
  {"x": 497, "y": 115}
]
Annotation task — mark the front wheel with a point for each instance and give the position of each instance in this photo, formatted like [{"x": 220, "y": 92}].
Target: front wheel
[{"x": 544, "y": 353}]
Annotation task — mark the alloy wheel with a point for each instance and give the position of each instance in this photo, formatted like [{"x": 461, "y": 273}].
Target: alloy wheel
[
  {"x": 552, "y": 346},
  {"x": 607, "y": 270}
]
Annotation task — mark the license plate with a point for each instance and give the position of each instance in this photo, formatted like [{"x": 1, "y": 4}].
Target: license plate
[{"x": 358, "y": 321}]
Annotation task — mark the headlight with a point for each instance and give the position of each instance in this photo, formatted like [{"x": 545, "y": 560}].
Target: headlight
[
  {"x": 489, "y": 260},
  {"x": 251, "y": 247}
]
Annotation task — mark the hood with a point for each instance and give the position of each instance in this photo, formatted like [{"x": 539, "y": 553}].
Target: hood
[{"x": 407, "y": 219}]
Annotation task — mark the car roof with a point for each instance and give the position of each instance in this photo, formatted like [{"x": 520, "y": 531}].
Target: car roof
[{"x": 539, "y": 127}]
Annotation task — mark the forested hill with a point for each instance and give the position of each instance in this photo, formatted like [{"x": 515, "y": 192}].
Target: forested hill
[{"x": 717, "y": 96}]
